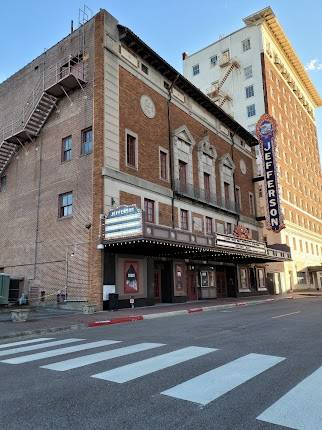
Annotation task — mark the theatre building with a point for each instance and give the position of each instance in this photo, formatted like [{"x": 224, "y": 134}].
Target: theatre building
[{"x": 135, "y": 182}]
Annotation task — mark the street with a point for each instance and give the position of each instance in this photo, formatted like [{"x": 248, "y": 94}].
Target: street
[{"x": 243, "y": 368}]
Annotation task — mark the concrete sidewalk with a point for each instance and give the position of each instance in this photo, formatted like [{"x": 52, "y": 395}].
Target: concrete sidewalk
[{"x": 41, "y": 323}]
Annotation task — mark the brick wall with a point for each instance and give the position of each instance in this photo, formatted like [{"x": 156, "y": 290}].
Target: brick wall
[
  {"x": 33, "y": 240},
  {"x": 129, "y": 199}
]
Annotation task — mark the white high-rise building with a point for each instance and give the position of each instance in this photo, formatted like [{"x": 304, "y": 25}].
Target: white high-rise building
[{"x": 253, "y": 71}]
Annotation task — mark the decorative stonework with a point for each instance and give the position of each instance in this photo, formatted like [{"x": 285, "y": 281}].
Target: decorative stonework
[
  {"x": 147, "y": 106},
  {"x": 243, "y": 167},
  {"x": 241, "y": 232}
]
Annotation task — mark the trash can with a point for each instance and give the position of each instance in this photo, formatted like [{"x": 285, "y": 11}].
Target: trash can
[{"x": 113, "y": 302}]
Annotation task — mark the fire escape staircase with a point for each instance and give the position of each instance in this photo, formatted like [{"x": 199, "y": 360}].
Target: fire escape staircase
[
  {"x": 216, "y": 93},
  {"x": 27, "y": 123}
]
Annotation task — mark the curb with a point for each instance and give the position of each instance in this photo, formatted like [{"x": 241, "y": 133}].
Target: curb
[
  {"x": 43, "y": 331},
  {"x": 135, "y": 318}
]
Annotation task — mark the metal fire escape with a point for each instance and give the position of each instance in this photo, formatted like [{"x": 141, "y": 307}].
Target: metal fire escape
[
  {"x": 55, "y": 82},
  {"x": 216, "y": 92}
]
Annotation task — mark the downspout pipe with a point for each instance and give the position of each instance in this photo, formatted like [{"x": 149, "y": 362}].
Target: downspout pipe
[{"x": 171, "y": 154}]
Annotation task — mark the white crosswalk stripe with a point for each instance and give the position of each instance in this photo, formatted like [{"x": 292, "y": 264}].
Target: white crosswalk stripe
[
  {"x": 85, "y": 360},
  {"x": 60, "y": 351},
  {"x": 150, "y": 365},
  {"x": 300, "y": 408},
  {"x": 25, "y": 342},
  {"x": 209, "y": 386},
  {"x": 18, "y": 350}
]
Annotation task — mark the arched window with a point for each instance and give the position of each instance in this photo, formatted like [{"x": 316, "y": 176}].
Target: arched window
[
  {"x": 183, "y": 143},
  {"x": 207, "y": 156},
  {"x": 226, "y": 171}
]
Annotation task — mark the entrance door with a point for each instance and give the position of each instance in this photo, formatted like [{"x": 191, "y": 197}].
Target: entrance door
[
  {"x": 191, "y": 286},
  {"x": 157, "y": 286},
  {"x": 231, "y": 282},
  {"x": 166, "y": 282},
  {"x": 221, "y": 283}
]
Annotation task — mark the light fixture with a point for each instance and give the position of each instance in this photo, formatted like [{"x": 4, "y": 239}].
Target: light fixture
[{"x": 100, "y": 246}]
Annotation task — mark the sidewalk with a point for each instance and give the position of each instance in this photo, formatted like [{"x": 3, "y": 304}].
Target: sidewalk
[{"x": 42, "y": 322}]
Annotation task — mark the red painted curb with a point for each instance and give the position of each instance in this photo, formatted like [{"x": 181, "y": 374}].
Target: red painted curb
[
  {"x": 193, "y": 310},
  {"x": 115, "y": 321}
]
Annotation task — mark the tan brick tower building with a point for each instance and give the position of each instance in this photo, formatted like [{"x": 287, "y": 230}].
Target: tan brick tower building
[
  {"x": 117, "y": 174},
  {"x": 253, "y": 71}
]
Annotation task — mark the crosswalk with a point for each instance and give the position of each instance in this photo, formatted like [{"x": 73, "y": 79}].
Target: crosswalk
[{"x": 298, "y": 409}]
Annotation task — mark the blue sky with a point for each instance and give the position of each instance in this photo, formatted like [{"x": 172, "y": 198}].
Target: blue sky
[{"x": 168, "y": 26}]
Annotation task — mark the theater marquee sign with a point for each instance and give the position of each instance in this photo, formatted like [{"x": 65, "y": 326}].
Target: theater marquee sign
[{"x": 266, "y": 133}]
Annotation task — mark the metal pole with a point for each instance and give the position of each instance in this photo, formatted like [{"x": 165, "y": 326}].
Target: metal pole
[{"x": 66, "y": 274}]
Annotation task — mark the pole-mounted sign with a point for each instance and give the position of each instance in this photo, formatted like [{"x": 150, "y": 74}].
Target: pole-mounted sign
[{"x": 266, "y": 133}]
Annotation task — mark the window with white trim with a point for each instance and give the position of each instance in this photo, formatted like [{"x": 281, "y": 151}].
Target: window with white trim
[
  {"x": 131, "y": 150},
  {"x": 195, "y": 70},
  {"x": 248, "y": 72},
  {"x": 246, "y": 45},
  {"x": 249, "y": 91},
  {"x": 213, "y": 60},
  {"x": 251, "y": 110}
]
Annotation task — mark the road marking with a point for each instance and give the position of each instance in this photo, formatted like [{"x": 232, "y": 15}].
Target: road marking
[
  {"x": 74, "y": 363},
  {"x": 59, "y": 351},
  {"x": 286, "y": 315},
  {"x": 40, "y": 346},
  {"x": 210, "y": 385},
  {"x": 136, "y": 370},
  {"x": 25, "y": 342},
  {"x": 300, "y": 408}
]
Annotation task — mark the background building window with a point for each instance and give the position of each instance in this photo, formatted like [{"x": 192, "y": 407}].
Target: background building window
[
  {"x": 163, "y": 165},
  {"x": 67, "y": 148},
  {"x": 213, "y": 60},
  {"x": 249, "y": 91},
  {"x": 229, "y": 228},
  {"x": 301, "y": 278},
  {"x": 184, "y": 219},
  {"x": 195, "y": 70},
  {"x": 149, "y": 210},
  {"x": 66, "y": 204},
  {"x": 246, "y": 44},
  {"x": 3, "y": 184},
  {"x": 209, "y": 228},
  {"x": 87, "y": 141},
  {"x": 248, "y": 72},
  {"x": 251, "y": 110},
  {"x": 131, "y": 150}
]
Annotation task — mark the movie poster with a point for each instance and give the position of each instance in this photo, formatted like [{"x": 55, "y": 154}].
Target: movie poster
[{"x": 131, "y": 277}]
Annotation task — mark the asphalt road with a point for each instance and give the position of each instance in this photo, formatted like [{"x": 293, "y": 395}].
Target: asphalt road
[{"x": 245, "y": 368}]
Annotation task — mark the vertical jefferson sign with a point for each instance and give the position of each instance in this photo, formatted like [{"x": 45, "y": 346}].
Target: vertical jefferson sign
[
  {"x": 266, "y": 133},
  {"x": 122, "y": 222}
]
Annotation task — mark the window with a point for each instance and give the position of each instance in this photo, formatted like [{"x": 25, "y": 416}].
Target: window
[
  {"x": 248, "y": 72},
  {"x": 238, "y": 197},
  {"x": 163, "y": 165},
  {"x": 65, "y": 204},
  {"x": 213, "y": 60},
  {"x": 294, "y": 243},
  {"x": 87, "y": 140},
  {"x": 209, "y": 228},
  {"x": 67, "y": 148},
  {"x": 149, "y": 210},
  {"x": 251, "y": 204},
  {"x": 144, "y": 69},
  {"x": 206, "y": 183},
  {"x": 249, "y": 91},
  {"x": 184, "y": 219},
  {"x": 183, "y": 176},
  {"x": 225, "y": 56},
  {"x": 3, "y": 184},
  {"x": 246, "y": 45},
  {"x": 166, "y": 85},
  {"x": 243, "y": 279},
  {"x": 229, "y": 229},
  {"x": 131, "y": 143},
  {"x": 195, "y": 70},
  {"x": 251, "y": 110},
  {"x": 301, "y": 278}
]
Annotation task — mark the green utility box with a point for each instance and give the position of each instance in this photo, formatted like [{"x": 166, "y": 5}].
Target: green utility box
[{"x": 4, "y": 289}]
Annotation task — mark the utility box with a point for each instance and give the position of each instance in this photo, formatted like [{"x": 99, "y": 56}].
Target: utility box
[{"x": 4, "y": 289}]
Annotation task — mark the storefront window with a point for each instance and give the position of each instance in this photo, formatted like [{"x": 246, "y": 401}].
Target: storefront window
[
  {"x": 301, "y": 278},
  {"x": 243, "y": 279},
  {"x": 261, "y": 278}
]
